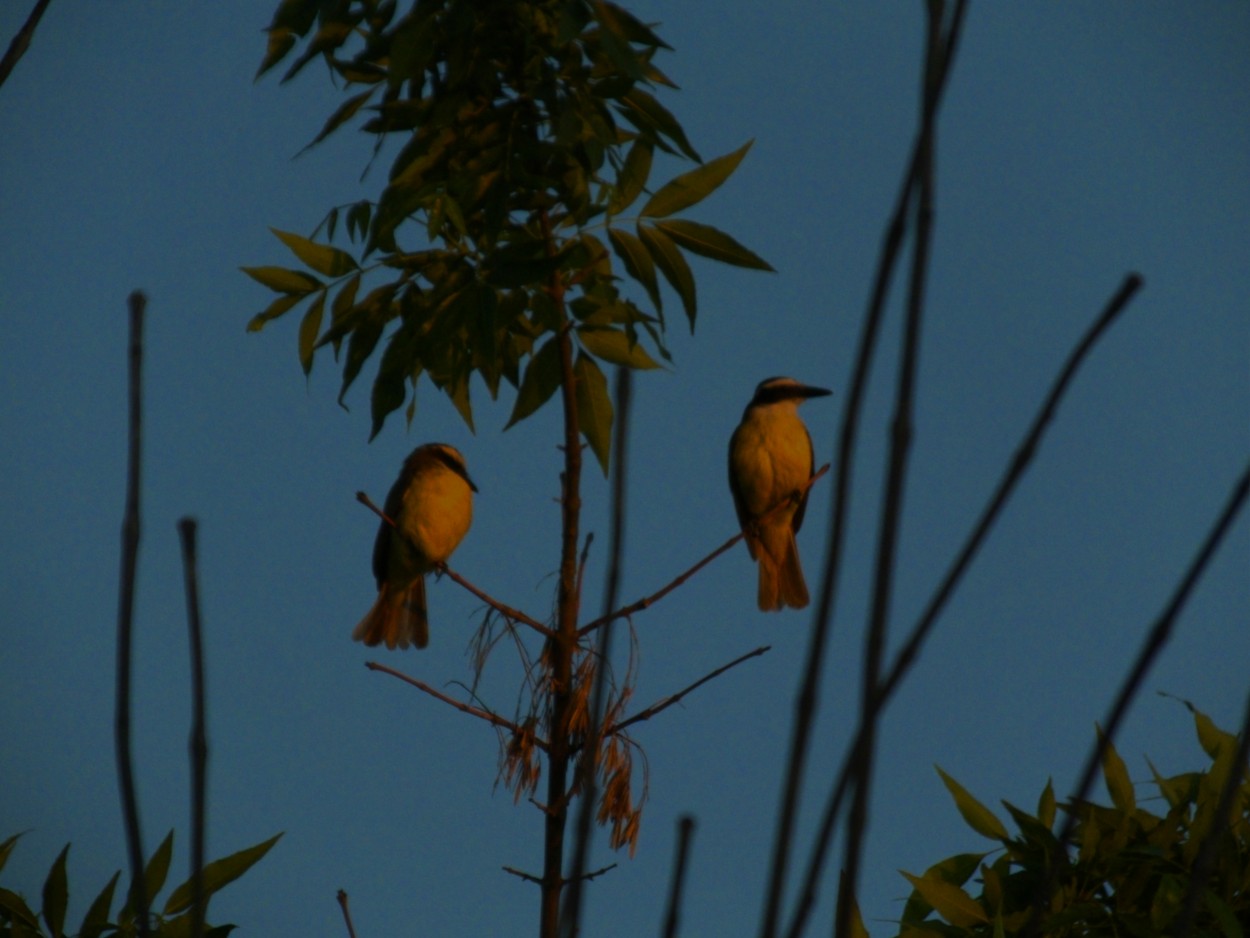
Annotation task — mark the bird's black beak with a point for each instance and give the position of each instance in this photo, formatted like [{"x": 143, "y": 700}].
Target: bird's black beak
[{"x": 807, "y": 391}]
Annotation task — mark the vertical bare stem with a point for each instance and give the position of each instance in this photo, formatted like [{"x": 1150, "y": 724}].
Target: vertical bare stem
[
  {"x": 906, "y": 657},
  {"x": 125, "y": 620},
  {"x": 563, "y": 646},
  {"x": 198, "y": 742},
  {"x": 590, "y": 749},
  {"x": 892, "y": 512},
  {"x": 805, "y": 702},
  {"x": 685, "y": 832}
]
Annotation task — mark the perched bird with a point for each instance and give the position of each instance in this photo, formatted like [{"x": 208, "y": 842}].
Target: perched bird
[
  {"x": 770, "y": 460},
  {"x": 431, "y": 504}
]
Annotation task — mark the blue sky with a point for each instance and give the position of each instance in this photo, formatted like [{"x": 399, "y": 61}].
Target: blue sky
[{"x": 1078, "y": 142}]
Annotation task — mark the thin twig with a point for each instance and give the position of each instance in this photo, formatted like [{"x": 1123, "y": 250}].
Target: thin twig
[
  {"x": 521, "y": 874},
  {"x": 1158, "y": 636},
  {"x": 198, "y": 742},
  {"x": 805, "y": 700},
  {"x": 125, "y": 620},
  {"x": 907, "y": 655},
  {"x": 672, "y": 918},
  {"x": 571, "y": 919},
  {"x": 666, "y": 702},
  {"x": 507, "y": 611},
  {"x": 626, "y": 611},
  {"x": 492, "y": 718},
  {"x": 347, "y": 916},
  {"x": 862, "y": 766},
  {"x": 21, "y": 42}
]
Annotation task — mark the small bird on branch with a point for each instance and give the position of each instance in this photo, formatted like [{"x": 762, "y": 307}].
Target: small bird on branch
[
  {"x": 770, "y": 462},
  {"x": 427, "y": 513}
]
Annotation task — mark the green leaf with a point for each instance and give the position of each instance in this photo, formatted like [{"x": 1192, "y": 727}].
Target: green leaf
[
  {"x": 674, "y": 267},
  {"x": 1046, "y": 806},
  {"x": 343, "y": 113},
  {"x": 542, "y": 378},
  {"x": 711, "y": 243},
  {"x": 638, "y": 262},
  {"x": 613, "y": 345},
  {"x": 6, "y": 848},
  {"x": 219, "y": 874},
  {"x": 1223, "y": 915},
  {"x": 361, "y": 345},
  {"x": 632, "y": 178},
  {"x": 950, "y": 901},
  {"x": 275, "y": 309},
  {"x": 281, "y": 280},
  {"x": 977, "y": 815},
  {"x": 309, "y": 329},
  {"x": 594, "y": 408},
  {"x": 14, "y": 906},
  {"x": 693, "y": 187},
  {"x": 97, "y": 916},
  {"x": 1210, "y": 736},
  {"x": 325, "y": 260},
  {"x": 56, "y": 895},
  {"x": 1116, "y": 775},
  {"x": 649, "y": 115},
  {"x": 153, "y": 877},
  {"x": 158, "y": 867}
]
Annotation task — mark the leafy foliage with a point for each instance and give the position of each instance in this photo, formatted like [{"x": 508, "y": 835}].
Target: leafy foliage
[
  {"x": 173, "y": 921},
  {"x": 529, "y": 127},
  {"x": 1129, "y": 872}
]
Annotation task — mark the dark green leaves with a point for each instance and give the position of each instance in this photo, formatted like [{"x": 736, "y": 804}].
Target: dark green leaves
[
  {"x": 517, "y": 139},
  {"x": 173, "y": 920}
]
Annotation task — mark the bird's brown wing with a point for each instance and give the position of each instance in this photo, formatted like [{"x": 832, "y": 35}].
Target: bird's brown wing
[
  {"x": 797, "y": 521},
  {"x": 392, "y": 508}
]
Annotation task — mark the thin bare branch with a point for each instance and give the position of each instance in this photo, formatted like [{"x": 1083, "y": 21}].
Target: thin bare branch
[
  {"x": 198, "y": 742},
  {"x": 672, "y": 918},
  {"x": 493, "y": 718},
  {"x": 528, "y": 877},
  {"x": 505, "y": 610},
  {"x": 647, "y": 601},
  {"x": 667, "y": 702},
  {"x": 347, "y": 916},
  {"x": 907, "y": 655},
  {"x": 863, "y": 763},
  {"x": 125, "y": 620},
  {"x": 21, "y": 42}
]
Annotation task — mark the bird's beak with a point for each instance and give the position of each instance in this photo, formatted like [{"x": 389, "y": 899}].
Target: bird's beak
[{"x": 808, "y": 391}]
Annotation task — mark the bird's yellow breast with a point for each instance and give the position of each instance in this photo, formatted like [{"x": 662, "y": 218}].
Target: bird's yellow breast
[{"x": 437, "y": 512}]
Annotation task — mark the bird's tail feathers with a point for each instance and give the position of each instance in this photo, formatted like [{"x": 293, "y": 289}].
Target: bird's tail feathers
[
  {"x": 781, "y": 575},
  {"x": 396, "y": 619}
]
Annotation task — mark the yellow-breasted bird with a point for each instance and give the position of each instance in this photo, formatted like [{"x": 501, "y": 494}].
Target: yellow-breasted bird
[
  {"x": 431, "y": 504},
  {"x": 770, "y": 460}
]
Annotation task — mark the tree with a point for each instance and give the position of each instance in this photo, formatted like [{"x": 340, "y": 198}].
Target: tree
[{"x": 530, "y": 128}]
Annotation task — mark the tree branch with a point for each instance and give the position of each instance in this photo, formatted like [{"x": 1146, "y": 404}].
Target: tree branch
[
  {"x": 667, "y": 702},
  {"x": 125, "y": 620},
  {"x": 647, "y": 601},
  {"x": 21, "y": 42},
  {"x": 491, "y": 718}
]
